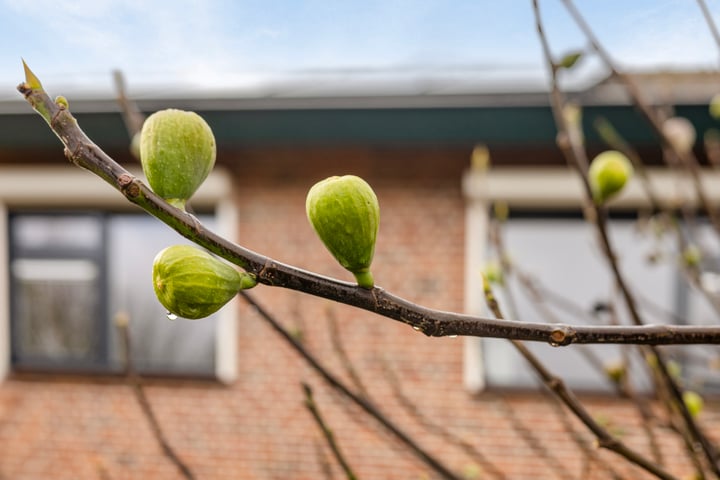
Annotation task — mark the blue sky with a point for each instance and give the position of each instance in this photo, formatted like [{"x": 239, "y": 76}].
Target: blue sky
[{"x": 195, "y": 45}]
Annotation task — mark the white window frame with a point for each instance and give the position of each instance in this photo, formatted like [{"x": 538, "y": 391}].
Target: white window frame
[
  {"x": 70, "y": 187},
  {"x": 533, "y": 188}
]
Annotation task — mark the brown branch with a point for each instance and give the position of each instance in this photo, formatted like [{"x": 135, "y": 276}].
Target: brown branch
[
  {"x": 340, "y": 387},
  {"x": 709, "y": 20},
  {"x": 327, "y": 432},
  {"x": 131, "y": 114},
  {"x": 82, "y": 152},
  {"x": 435, "y": 428},
  {"x": 323, "y": 461},
  {"x": 608, "y": 133},
  {"x": 340, "y": 351},
  {"x": 122, "y": 322},
  {"x": 576, "y": 156},
  {"x": 687, "y": 158},
  {"x": 510, "y": 270},
  {"x": 558, "y": 387}
]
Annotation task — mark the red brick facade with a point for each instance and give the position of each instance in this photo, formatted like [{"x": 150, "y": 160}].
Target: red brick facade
[{"x": 257, "y": 428}]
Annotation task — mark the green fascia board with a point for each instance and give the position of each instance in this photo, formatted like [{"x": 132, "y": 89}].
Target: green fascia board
[{"x": 496, "y": 125}]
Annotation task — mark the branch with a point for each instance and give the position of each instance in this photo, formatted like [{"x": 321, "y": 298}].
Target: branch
[
  {"x": 436, "y": 428},
  {"x": 81, "y": 151},
  {"x": 342, "y": 354},
  {"x": 122, "y": 322},
  {"x": 710, "y": 22},
  {"x": 576, "y": 156},
  {"x": 361, "y": 402},
  {"x": 687, "y": 157},
  {"x": 327, "y": 432},
  {"x": 558, "y": 387}
]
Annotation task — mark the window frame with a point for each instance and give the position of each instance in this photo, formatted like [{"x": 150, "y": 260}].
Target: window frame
[
  {"x": 64, "y": 188},
  {"x": 101, "y": 356},
  {"x": 540, "y": 189}
]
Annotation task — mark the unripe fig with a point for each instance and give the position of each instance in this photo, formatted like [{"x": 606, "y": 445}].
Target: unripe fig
[
  {"x": 177, "y": 152},
  {"x": 608, "y": 174},
  {"x": 193, "y": 284},
  {"x": 680, "y": 133},
  {"x": 345, "y": 213},
  {"x": 693, "y": 402},
  {"x": 616, "y": 371},
  {"x": 715, "y": 107},
  {"x": 494, "y": 274},
  {"x": 692, "y": 256}
]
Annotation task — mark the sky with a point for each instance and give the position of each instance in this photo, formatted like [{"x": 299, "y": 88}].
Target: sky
[{"x": 265, "y": 47}]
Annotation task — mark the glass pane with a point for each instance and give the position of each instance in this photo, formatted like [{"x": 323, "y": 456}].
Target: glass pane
[
  {"x": 563, "y": 256},
  {"x": 701, "y": 363},
  {"x": 159, "y": 345},
  {"x": 35, "y": 232},
  {"x": 56, "y": 308}
]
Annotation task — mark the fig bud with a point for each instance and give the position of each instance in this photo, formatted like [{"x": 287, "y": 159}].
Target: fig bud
[
  {"x": 714, "y": 107},
  {"x": 177, "y": 152},
  {"x": 193, "y": 284},
  {"x": 693, "y": 402},
  {"x": 608, "y": 174},
  {"x": 345, "y": 213}
]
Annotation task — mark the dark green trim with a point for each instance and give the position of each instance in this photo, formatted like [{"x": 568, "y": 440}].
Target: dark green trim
[{"x": 496, "y": 126}]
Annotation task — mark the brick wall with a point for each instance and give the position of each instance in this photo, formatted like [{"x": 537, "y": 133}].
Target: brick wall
[{"x": 257, "y": 428}]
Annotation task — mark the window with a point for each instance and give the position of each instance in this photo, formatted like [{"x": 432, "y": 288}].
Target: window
[
  {"x": 701, "y": 363},
  {"x": 563, "y": 254},
  {"x": 72, "y": 272}
]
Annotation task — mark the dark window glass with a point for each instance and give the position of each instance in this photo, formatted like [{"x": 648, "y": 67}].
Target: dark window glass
[{"x": 72, "y": 273}]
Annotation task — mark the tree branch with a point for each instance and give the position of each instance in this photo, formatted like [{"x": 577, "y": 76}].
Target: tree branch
[
  {"x": 558, "y": 387},
  {"x": 687, "y": 158},
  {"x": 339, "y": 386},
  {"x": 122, "y": 322},
  {"x": 576, "y": 156},
  {"x": 327, "y": 432},
  {"x": 81, "y": 151}
]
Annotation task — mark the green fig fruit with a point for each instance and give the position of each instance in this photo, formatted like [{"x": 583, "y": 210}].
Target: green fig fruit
[
  {"x": 193, "y": 284},
  {"x": 691, "y": 256},
  {"x": 177, "y": 152},
  {"x": 345, "y": 213},
  {"x": 616, "y": 371},
  {"x": 493, "y": 272},
  {"x": 693, "y": 402},
  {"x": 714, "y": 107},
  {"x": 608, "y": 174}
]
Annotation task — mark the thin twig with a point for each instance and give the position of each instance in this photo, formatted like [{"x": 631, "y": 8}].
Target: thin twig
[
  {"x": 122, "y": 322},
  {"x": 82, "y": 152},
  {"x": 509, "y": 270},
  {"x": 611, "y": 136},
  {"x": 435, "y": 428},
  {"x": 340, "y": 351},
  {"x": 340, "y": 387},
  {"x": 327, "y": 432},
  {"x": 131, "y": 114},
  {"x": 710, "y": 22},
  {"x": 323, "y": 461},
  {"x": 576, "y": 156},
  {"x": 557, "y": 386},
  {"x": 687, "y": 158}
]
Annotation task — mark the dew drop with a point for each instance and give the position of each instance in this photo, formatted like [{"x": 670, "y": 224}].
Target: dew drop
[
  {"x": 452, "y": 336},
  {"x": 171, "y": 316},
  {"x": 417, "y": 329},
  {"x": 554, "y": 344}
]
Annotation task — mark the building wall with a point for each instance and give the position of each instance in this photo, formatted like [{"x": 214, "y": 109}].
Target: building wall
[{"x": 73, "y": 427}]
